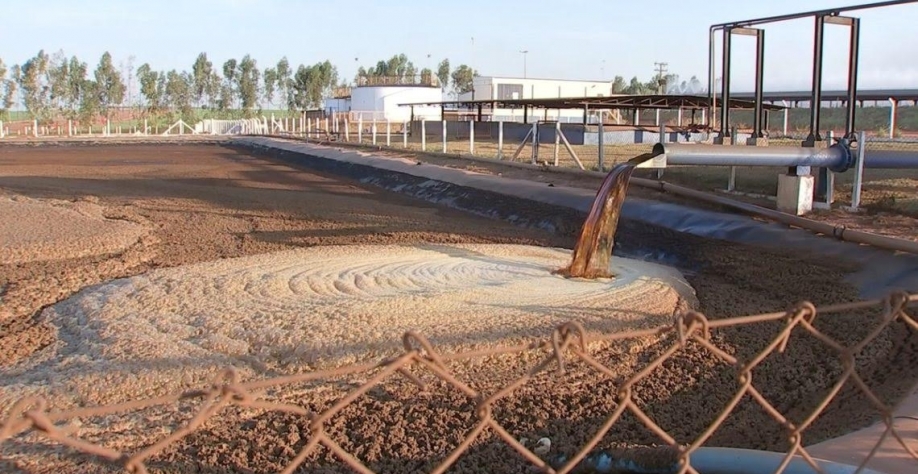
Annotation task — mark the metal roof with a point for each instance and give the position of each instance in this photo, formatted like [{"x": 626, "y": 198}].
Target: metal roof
[
  {"x": 598, "y": 103},
  {"x": 834, "y": 95}
]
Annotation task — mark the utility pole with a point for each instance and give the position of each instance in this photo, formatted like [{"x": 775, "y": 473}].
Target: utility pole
[{"x": 661, "y": 72}]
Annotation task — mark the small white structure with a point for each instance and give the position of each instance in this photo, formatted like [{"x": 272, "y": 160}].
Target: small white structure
[
  {"x": 513, "y": 88},
  {"x": 377, "y": 103}
]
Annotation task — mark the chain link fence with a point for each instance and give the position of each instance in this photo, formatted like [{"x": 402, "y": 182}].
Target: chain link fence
[{"x": 612, "y": 376}]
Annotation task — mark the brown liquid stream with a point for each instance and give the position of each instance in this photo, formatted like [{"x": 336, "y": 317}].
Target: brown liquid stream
[{"x": 593, "y": 251}]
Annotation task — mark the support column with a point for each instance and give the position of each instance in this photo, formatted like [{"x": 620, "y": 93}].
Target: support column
[
  {"x": 853, "y": 50},
  {"x": 816, "y": 99},
  {"x": 892, "y": 118},
  {"x": 725, "y": 86},
  {"x": 759, "y": 84}
]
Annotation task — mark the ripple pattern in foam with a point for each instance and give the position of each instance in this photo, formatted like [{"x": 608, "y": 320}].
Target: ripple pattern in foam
[{"x": 303, "y": 309}]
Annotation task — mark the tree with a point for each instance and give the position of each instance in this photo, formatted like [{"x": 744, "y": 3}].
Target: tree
[
  {"x": 109, "y": 86},
  {"x": 463, "y": 78},
  {"x": 179, "y": 93},
  {"x": 312, "y": 83},
  {"x": 10, "y": 88},
  {"x": 270, "y": 83},
  {"x": 636, "y": 87},
  {"x": 247, "y": 80},
  {"x": 443, "y": 74},
  {"x": 152, "y": 87},
  {"x": 285, "y": 80},
  {"x": 618, "y": 85},
  {"x": 4, "y": 108},
  {"x": 36, "y": 91},
  {"x": 202, "y": 74},
  {"x": 227, "y": 91},
  {"x": 426, "y": 76}
]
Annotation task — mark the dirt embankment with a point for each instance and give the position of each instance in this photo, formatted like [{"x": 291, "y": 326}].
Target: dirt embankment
[{"x": 206, "y": 203}]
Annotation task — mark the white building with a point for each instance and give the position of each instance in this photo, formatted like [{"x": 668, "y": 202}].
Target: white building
[
  {"x": 379, "y": 101},
  {"x": 512, "y": 88}
]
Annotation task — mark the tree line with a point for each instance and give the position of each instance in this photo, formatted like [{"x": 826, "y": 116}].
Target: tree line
[{"x": 52, "y": 86}]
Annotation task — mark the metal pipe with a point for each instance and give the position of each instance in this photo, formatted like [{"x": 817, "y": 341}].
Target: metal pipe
[
  {"x": 837, "y": 157},
  {"x": 712, "y": 74},
  {"x": 830, "y": 11},
  {"x": 889, "y": 159},
  {"x": 853, "y": 49}
]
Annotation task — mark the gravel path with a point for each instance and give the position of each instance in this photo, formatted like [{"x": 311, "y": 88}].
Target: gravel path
[{"x": 203, "y": 203}]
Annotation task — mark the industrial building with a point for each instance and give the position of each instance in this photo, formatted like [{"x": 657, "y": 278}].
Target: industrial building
[{"x": 516, "y": 88}]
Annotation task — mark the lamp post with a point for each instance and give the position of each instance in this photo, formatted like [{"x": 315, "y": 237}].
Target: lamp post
[{"x": 524, "y": 53}]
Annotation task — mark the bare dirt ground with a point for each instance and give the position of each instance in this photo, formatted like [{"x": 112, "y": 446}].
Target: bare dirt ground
[{"x": 205, "y": 203}]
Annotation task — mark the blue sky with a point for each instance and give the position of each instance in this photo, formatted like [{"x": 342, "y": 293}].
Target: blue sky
[{"x": 573, "y": 39}]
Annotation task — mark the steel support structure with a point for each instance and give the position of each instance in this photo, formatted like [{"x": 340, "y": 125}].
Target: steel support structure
[
  {"x": 832, "y": 16},
  {"x": 759, "y": 35}
]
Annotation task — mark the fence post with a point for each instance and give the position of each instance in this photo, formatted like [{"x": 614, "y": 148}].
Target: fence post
[
  {"x": 600, "y": 142},
  {"x": 347, "y": 131},
  {"x": 360, "y": 129},
  {"x": 35, "y": 127},
  {"x": 423, "y": 135},
  {"x": 535, "y": 142},
  {"x": 500, "y": 140},
  {"x": 69, "y": 127},
  {"x": 858, "y": 170},
  {"x": 388, "y": 133},
  {"x": 444, "y": 136},
  {"x": 326, "y": 125},
  {"x": 731, "y": 182},
  {"x": 829, "y": 175},
  {"x": 405, "y": 134},
  {"x": 471, "y": 137},
  {"x": 557, "y": 141},
  {"x": 2, "y": 135},
  {"x": 373, "y": 131}
]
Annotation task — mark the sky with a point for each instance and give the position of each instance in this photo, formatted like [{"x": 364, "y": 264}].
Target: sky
[{"x": 573, "y": 39}]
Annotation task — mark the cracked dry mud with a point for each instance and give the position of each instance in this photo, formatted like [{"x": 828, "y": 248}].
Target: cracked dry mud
[{"x": 202, "y": 203}]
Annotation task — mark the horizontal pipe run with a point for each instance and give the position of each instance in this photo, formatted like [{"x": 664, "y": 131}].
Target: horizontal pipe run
[
  {"x": 838, "y": 157},
  {"x": 838, "y": 231},
  {"x": 890, "y": 159}
]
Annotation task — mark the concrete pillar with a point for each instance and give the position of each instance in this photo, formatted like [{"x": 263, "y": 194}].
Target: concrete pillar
[
  {"x": 892, "y": 118},
  {"x": 795, "y": 194}
]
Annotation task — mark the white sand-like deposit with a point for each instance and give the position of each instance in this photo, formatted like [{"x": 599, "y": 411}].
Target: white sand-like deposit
[
  {"x": 41, "y": 230},
  {"x": 298, "y": 310}
]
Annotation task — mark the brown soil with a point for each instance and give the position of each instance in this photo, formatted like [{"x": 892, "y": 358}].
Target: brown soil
[{"x": 205, "y": 203}]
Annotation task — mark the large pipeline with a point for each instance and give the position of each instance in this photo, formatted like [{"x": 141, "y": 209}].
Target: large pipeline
[{"x": 838, "y": 157}]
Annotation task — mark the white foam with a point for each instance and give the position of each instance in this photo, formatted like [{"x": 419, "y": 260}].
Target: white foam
[{"x": 303, "y": 309}]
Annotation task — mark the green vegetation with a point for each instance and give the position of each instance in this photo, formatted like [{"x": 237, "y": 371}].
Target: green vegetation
[{"x": 55, "y": 87}]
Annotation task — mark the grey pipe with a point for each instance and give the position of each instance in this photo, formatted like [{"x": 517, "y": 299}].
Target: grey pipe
[
  {"x": 837, "y": 231},
  {"x": 837, "y": 157},
  {"x": 890, "y": 159}
]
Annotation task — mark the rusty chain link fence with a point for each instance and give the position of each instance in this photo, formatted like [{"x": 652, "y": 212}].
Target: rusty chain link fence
[{"x": 30, "y": 424}]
